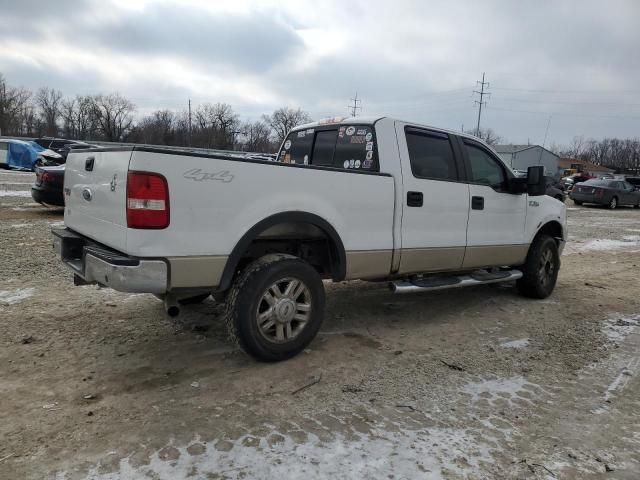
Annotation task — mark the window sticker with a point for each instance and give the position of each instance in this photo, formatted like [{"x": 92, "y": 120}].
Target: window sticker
[
  {"x": 350, "y": 131},
  {"x": 357, "y": 164},
  {"x": 369, "y": 155},
  {"x": 369, "y": 146},
  {"x": 306, "y": 160},
  {"x": 367, "y": 164},
  {"x": 310, "y": 131},
  {"x": 352, "y": 163},
  {"x": 287, "y": 145},
  {"x": 357, "y": 139},
  {"x": 346, "y": 164},
  {"x": 361, "y": 131},
  {"x": 301, "y": 134},
  {"x": 368, "y": 137}
]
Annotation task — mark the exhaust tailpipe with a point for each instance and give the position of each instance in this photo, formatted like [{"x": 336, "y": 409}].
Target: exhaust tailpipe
[{"x": 171, "y": 306}]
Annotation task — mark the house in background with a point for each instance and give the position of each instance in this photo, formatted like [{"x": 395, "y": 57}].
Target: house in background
[
  {"x": 521, "y": 157},
  {"x": 581, "y": 166}
]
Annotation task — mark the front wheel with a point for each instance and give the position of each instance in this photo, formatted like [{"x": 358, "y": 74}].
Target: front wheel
[
  {"x": 275, "y": 307},
  {"x": 613, "y": 203},
  {"x": 540, "y": 271}
]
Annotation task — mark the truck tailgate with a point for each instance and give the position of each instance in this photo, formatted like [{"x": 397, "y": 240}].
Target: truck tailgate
[{"x": 95, "y": 186}]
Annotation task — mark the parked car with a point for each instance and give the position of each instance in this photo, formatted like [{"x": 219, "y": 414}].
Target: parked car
[
  {"x": 64, "y": 151},
  {"x": 555, "y": 189},
  {"x": 364, "y": 198},
  {"x": 56, "y": 144},
  {"x": 611, "y": 193},
  {"x": 21, "y": 155},
  {"x": 48, "y": 186}
]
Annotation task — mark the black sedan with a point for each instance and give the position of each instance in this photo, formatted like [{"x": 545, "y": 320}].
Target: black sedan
[
  {"x": 48, "y": 188},
  {"x": 610, "y": 193}
]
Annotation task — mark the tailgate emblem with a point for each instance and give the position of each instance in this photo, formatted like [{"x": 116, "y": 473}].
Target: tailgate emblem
[
  {"x": 86, "y": 194},
  {"x": 113, "y": 182}
]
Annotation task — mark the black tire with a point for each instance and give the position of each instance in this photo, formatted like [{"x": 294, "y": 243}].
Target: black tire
[
  {"x": 560, "y": 198},
  {"x": 194, "y": 300},
  {"x": 613, "y": 203},
  {"x": 247, "y": 297},
  {"x": 540, "y": 271},
  {"x": 577, "y": 202},
  {"x": 637, "y": 205}
]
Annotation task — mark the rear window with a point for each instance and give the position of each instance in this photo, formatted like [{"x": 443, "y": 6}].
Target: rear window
[
  {"x": 598, "y": 183},
  {"x": 351, "y": 147},
  {"x": 431, "y": 156}
]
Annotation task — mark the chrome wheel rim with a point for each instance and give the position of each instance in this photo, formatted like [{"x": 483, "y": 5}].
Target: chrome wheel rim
[
  {"x": 614, "y": 203},
  {"x": 284, "y": 310},
  {"x": 547, "y": 267}
]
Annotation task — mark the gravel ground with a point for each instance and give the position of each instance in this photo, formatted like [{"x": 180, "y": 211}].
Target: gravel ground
[{"x": 475, "y": 383}]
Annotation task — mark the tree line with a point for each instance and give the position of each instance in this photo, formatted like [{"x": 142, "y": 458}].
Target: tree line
[
  {"x": 112, "y": 118},
  {"x": 620, "y": 154}
]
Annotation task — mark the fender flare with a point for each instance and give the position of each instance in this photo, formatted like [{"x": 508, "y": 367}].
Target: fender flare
[{"x": 338, "y": 255}]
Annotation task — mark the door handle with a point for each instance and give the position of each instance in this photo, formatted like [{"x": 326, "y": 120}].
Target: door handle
[
  {"x": 477, "y": 203},
  {"x": 414, "y": 199},
  {"x": 88, "y": 164}
]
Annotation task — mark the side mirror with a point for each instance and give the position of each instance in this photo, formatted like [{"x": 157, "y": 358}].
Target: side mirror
[{"x": 536, "y": 184}]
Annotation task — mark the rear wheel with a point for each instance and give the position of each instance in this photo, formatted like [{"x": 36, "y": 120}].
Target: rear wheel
[
  {"x": 540, "y": 271},
  {"x": 613, "y": 203},
  {"x": 275, "y": 307}
]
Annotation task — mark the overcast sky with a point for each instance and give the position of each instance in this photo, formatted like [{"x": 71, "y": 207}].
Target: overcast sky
[{"x": 574, "y": 62}]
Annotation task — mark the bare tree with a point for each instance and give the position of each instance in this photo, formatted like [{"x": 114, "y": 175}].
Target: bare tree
[
  {"x": 157, "y": 128},
  {"x": 49, "y": 101},
  {"x": 257, "y": 137},
  {"x": 114, "y": 116},
  {"x": 13, "y": 103},
  {"x": 489, "y": 136},
  {"x": 284, "y": 119}
]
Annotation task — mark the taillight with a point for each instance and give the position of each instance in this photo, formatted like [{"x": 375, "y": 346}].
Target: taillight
[
  {"x": 147, "y": 200},
  {"x": 45, "y": 177},
  {"x": 599, "y": 193}
]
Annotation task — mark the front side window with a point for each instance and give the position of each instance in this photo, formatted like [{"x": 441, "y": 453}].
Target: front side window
[
  {"x": 297, "y": 147},
  {"x": 484, "y": 168},
  {"x": 431, "y": 156}
]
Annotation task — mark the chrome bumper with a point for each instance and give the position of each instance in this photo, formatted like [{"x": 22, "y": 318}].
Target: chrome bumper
[{"x": 96, "y": 264}]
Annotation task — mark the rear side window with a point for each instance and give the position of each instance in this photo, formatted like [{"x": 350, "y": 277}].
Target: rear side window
[
  {"x": 431, "y": 156},
  {"x": 484, "y": 168},
  {"x": 347, "y": 147}
]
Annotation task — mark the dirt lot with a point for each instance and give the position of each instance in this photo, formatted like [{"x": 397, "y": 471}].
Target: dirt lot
[{"x": 476, "y": 383}]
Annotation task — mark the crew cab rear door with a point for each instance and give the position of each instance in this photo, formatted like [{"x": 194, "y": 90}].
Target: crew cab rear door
[
  {"x": 495, "y": 235},
  {"x": 435, "y": 206}
]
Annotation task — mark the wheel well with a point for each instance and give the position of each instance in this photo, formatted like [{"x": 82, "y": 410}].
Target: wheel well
[
  {"x": 301, "y": 234},
  {"x": 553, "y": 229}
]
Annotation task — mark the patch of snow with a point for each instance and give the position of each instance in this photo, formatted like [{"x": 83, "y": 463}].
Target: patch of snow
[
  {"x": 520, "y": 343},
  {"x": 421, "y": 453},
  {"x": 15, "y": 193},
  {"x": 631, "y": 238},
  {"x": 20, "y": 225},
  {"x": 604, "y": 244},
  {"x": 617, "y": 326},
  {"x": 633, "y": 229},
  {"x": 499, "y": 389},
  {"x": 57, "y": 224},
  {"x": 573, "y": 208},
  {"x": 11, "y": 297}
]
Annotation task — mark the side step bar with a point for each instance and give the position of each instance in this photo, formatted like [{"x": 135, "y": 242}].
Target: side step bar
[{"x": 440, "y": 283}]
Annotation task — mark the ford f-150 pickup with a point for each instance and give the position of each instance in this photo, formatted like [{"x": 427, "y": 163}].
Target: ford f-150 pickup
[{"x": 361, "y": 198}]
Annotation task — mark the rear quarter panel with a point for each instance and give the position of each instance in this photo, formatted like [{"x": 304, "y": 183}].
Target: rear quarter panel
[{"x": 214, "y": 202}]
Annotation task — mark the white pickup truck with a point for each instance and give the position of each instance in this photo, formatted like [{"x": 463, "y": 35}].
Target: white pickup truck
[{"x": 360, "y": 198}]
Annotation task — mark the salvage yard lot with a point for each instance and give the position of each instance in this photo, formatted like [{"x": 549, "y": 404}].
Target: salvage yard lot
[{"x": 476, "y": 383}]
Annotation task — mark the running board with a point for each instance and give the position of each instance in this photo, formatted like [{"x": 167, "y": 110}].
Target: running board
[{"x": 440, "y": 283}]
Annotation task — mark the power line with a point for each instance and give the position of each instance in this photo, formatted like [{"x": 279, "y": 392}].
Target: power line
[
  {"x": 482, "y": 93},
  {"x": 605, "y": 92},
  {"x": 354, "y": 108}
]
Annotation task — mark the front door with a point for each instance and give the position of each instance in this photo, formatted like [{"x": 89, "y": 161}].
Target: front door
[
  {"x": 495, "y": 235},
  {"x": 435, "y": 205}
]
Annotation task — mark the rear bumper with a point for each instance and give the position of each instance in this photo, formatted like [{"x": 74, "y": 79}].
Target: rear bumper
[
  {"x": 587, "y": 198},
  {"x": 47, "y": 196},
  {"x": 94, "y": 263}
]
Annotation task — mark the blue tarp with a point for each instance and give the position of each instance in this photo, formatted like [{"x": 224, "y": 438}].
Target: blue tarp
[{"x": 22, "y": 155}]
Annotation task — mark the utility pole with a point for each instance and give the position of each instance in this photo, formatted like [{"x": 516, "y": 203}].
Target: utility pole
[
  {"x": 482, "y": 94},
  {"x": 189, "y": 122},
  {"x": 355, "y": 107}
]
